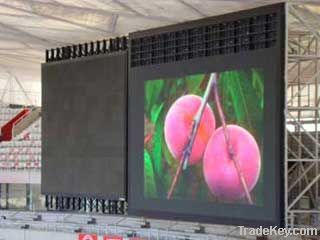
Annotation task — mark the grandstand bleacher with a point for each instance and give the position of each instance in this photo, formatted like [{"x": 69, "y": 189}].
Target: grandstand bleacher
[{"x": 20, "y": 158}]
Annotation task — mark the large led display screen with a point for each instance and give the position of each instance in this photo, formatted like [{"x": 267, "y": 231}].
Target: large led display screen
[
  {"x": 211, "y": 123},
  {"x": 84, "y": 127},
  {"x": 205, "y": 133}
]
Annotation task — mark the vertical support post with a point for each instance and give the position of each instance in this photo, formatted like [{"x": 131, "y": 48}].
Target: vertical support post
[
  {"x": 316, "y": 118},
  {"x": 7, "y": 195},
  {"x": 285, "y": 117},
  {"x": 28, "y": 197}
]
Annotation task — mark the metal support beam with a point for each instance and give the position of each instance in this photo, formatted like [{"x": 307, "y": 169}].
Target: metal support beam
[
  {"x": 303, "y": 192},
  {"x": 302, "y": 110},
  {"x": 7, "y": 195}
]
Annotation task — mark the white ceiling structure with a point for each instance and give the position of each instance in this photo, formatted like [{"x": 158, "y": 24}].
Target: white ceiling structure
[{"x": 28, "y": 27}]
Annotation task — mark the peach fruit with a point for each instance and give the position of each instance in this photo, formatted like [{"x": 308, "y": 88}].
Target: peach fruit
[
  {"x": 178, "y": 126},
  {"x": 219, "y": 169}
]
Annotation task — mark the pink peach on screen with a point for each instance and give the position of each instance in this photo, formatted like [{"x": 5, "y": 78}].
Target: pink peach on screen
[
  {"x": 178, "y": 124},
  {"x": 219, "y": 170}
]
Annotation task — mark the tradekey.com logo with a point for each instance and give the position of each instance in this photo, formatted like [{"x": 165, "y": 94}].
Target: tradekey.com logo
[{"x": 274, "y": 231}]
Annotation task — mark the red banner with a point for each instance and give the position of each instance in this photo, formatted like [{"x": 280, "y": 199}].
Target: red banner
[
  {"x": 109, "y": 237},
  {"x": 84, "y": 236}
]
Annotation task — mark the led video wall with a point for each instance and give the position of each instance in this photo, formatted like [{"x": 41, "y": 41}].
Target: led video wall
[
  {"x": 206, "y": 120},
  {"x": 84, "y": 127},
  {"x": 208, "y": 123}
]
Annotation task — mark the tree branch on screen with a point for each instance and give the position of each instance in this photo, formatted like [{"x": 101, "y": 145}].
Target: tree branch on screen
[
  {"x": 183, "y": 164},
  {"x": 227, "y": 139}
]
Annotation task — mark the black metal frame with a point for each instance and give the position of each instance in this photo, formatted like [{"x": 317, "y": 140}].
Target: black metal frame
[
  {"x": 225, "y": 37},
  {"x": 271, "y": 55},
  {"x": 87, "y": 49},
  {"x": 54, "y": 202},
  {"x": 85, "y": 204}
]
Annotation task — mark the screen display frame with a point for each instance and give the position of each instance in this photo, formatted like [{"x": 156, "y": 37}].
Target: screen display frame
[
  {"x": 272, "y": 61},
  {"x": 96, "y": 72}
]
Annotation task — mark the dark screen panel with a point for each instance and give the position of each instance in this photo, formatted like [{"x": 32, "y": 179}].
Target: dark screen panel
[
  {"x": 84, "y": 126},
  {"x": 158, "y": 83}
]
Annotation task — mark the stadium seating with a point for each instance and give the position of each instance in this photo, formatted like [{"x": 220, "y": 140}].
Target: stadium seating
[{"x": 24, "y": 151}]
